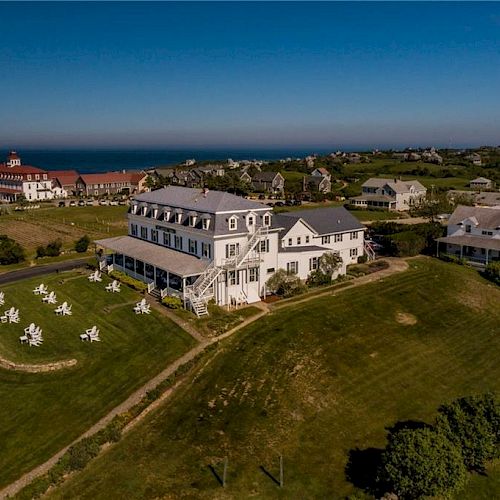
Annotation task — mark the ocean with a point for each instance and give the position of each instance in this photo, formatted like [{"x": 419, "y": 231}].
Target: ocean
[{"x": 90, "y": 161}]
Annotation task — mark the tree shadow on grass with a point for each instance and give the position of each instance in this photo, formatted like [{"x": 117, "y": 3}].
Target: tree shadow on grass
[
  {"x": 407, "y": 424},
  {"x": 363, "y": 469}
]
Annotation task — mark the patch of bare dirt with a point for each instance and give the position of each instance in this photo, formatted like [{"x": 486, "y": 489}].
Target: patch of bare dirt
[{"x": 406, "y": 319}]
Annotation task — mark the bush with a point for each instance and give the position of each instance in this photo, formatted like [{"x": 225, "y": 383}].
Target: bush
[
  {"x": 11, "y": 252},
  {"x": 492, "y": 272},
  {"x": 317, "y": 278},
  {"x": 172, "y": 302},
  {"x": 80, "y": 454},
  {"x": 138, "y": 285},
  {"x": 422, "y": 462},
  {"x": 284, "y": 284},
  {"x": 362, "y": 259},
  {"x": 473, "y": 424},
  {"x": 53, "y": 249},
  {"x": 82, "y": 245}
]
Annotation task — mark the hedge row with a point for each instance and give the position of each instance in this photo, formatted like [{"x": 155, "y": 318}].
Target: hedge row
[{"x": 124, "y": 278}]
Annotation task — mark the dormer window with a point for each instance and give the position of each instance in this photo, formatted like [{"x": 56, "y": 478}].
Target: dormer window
[
  {"x": 232, "y": 223},
  {"x": 144, "y": 210},
  {"x": 29, "y": 177},
  {"x": 266, "y": 220},
  {"x": 467, "y": 228},
  {"x": 193, "y": 217},
  {"x": 205, "y": 221},
  {"x": 250, "y": 220},
  {"x": 154, "y": 211},
  {"x": 178, "y": 216},
  {"x": 135, "y": 206},
  {"x": 166, "y": 213}
]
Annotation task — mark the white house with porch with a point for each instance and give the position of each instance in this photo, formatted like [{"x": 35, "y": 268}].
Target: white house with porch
[
  {"x": 205, "y": 245},
  {"x": 389, "y": 194},
  {"x": 473, "y": 233}
]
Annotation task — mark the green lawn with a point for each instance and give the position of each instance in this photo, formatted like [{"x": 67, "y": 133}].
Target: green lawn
[
  {"x": 41, "y": 413},
  {"x": 312, "y": 382}
]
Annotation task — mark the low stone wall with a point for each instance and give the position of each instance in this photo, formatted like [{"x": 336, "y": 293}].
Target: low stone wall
[{"x": 48, "y": 367}]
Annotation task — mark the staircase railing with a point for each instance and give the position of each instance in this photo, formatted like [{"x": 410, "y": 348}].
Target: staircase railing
[{"x": 370, "y": 252}]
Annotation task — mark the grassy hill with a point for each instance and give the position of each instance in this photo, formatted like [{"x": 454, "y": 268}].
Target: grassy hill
[{"x": 318, "y": 382}]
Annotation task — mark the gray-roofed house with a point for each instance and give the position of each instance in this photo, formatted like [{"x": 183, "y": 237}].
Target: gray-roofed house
[
  {"x": 201, "y": 245},
  {"x": 268, "y": 182},
  {"x": 389, "y": 194},
  {"x": 482, "y": 183},
  {"x": 473, "y": 233},
  {"x": 316, "y": 184}
]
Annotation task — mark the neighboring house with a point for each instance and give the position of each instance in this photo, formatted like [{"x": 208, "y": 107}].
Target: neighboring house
[
  {"x": 473, "y": 233},
  {"x": 475, "y": 159},
  {"x": 389, "y": 194},
  {"x": 202, "y": 245},
  {"x": 245, "y": 177},
  {"x": 17, "y": 179},
  {"x": 482, "y": 183},
  {"x": 64, "y": 182},
  {"x": 487, "y": 198},
  {"x": 111, "y": 183},
  {"x": 316, "y": 184},
  {"x": 321, "y": 172},
  {"x": 270, "y": 182}
]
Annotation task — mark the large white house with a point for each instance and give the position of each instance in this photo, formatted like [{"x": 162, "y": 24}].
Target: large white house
[
  {"x": 389, "y": 194},
  {"x": 202, "y": 245},
  {"x": 17, "y": 179},
  {"x": 473, "y": 233}
]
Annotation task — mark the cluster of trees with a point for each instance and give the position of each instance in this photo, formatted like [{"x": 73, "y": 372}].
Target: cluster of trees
[
  {"x": 11, "y": 252},
  {"x": 286, "y": 284},
  {"x": 54, "y": 248},
  {"x": 433, "y": 460},
  {"x": 401, "y": 240},
  {"x": 492, "y": 272}
]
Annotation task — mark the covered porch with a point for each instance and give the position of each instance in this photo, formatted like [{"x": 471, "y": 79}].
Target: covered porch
[
  {"x": 170, "y": 271},
  {"x": 473, "y": 249}
]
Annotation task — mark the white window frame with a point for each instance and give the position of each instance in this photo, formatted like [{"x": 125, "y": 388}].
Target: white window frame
[{"x": 233, "y": 223}]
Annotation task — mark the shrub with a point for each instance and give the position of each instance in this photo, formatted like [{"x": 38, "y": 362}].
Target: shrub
[
  {"x": 80, "y": 454},
  {"x": 40, "y": 251},
  {"x": 362, "y": 259},
  {"x": 172, "y": 302},
  {"x": 492, "y": 272},
  {"x": 82, "y": 245},
  {"x": 11, "y": 252},
  {"x": 317, "y": 278},
  {"x": 284, "y": 284},
  {"x": 422, "y": 462},
  {"x": 129, "y": 281},
  {"x": 53, "y": 249}
]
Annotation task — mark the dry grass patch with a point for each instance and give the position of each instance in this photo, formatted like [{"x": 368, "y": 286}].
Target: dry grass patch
[{"x": 406, "y": 319}]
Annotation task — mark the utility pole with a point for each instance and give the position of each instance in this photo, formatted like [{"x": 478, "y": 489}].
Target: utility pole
[
  {"x": 224, "y": 473},
  {"x": 281, "y": 471}
]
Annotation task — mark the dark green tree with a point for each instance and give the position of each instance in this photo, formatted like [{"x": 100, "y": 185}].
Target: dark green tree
[
  {"x": 473, "y": 424},
  {"x": 82, "y": 244},
  {"x": 422, "y": 462},
  {"x": 11, "y": 252}
]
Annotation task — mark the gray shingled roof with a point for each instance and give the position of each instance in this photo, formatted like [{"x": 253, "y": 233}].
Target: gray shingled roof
[
  {"x": 310, "y": 248},
  {"x": 326, "y": 220},
  {"x": 398, "y": 186},
  {"x": 194, "y": 199},
  {"x": 487, "y": 217}
]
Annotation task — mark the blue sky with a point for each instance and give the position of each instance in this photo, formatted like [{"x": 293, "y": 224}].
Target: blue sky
[{"x": 249, "y": 74}]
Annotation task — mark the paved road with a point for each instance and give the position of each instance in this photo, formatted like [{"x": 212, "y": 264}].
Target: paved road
[{"x": 31, "y": 272}]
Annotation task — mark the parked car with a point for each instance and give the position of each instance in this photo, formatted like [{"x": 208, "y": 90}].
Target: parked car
[
  {"x": 89, "y": 203},
  {"x": 103, "y": 202},
  {"x": 297, "y": 203},
  {"x": 279, "y": 204},
  {"x": 289, "y": 203},
  {"x": 262, "y": 197},
  {"x": 113, "y": 203},
  {"x": 122, "y": 202},
  {"x": 61, "y": 204},
  {"x": 72, "y": 203},
  {"x": 270, "y": 204},
  {"x": 81, "y": 203}
]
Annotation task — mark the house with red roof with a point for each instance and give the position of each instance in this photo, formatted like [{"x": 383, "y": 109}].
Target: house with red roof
[
  {"x": 17, "y": 179},
  {"x": 109, "y": 183},
  {"x": 64, "y": 182}
]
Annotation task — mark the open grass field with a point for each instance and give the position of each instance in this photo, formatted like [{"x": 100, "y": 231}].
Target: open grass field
[
  {"x": 36, "y": 227},
  {"x": 313, "y": 382},
  {"x": 42, "y": 412}
]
